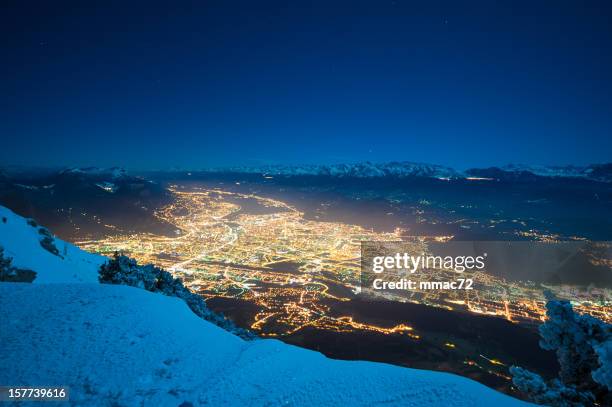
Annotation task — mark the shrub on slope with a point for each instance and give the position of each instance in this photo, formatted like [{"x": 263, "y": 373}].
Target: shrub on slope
[
  {"x": 123, "y": 270},
  {"x": 13, "y": 274}
]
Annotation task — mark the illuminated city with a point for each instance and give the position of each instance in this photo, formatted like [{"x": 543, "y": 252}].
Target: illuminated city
[{"x": 263, "y": 251}]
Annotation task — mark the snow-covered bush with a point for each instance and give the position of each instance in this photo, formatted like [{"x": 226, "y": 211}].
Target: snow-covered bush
[
  {"x": 583, "y": 345},
  {"x": 603, "y": 375},
  {"x": 124, "y": 270},
  {"x": 13, "y": 274},
  {"x": 7, "y": 271},
  {"x": 47, "y": 241},
  {"x": 553, "y": 393}
]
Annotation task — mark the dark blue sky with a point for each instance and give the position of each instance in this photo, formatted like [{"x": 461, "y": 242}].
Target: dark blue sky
[{"x": 230, "y": 83}]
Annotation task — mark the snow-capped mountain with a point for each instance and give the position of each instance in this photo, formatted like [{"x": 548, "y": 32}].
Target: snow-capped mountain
[
  {"x": 547, "y": 171},
  {"x": 402, "y": 170},
  {"x": 359, "y": 170},
  {"x": 120, "y": 345},
  {"x": 598, "y": 172},
  {"x": 110, "y": 173},
  {"x": 593, "y": 172}
]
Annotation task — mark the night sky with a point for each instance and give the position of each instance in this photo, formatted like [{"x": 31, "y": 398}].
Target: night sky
[{"x": 247, "y": 83}]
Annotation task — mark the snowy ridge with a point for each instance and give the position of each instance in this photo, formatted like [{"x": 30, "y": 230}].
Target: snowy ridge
[
  {"x": 403, "y": 169},
  {"x": 595, "y": 172},
  {"x": 21, "y": 240},
  {"x": 125, "y": 346},
  {"x": 112, "y": 173},
  {"x": 360, "y": 170},
  {"x": 570, "y": 171}
]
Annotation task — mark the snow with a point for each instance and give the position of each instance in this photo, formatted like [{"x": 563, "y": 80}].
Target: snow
[
  {"x": 569, "y": 171},
  {"x": 407, "y": 169},
  {"x": 21, "y": 241},
  {"x": 107, "y": 186},
  {"x": 123, "y": 345},
  {"x": 358, "y": 170},
  {"x": 113, "y": 172}
]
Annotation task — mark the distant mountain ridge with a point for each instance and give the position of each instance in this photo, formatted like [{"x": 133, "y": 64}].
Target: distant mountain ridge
[
  {"x": 358, "y": 170},
  {"x": 593, "y": 172},
  {"x": 89, "y": 198},
  {"x": 406, "y": 169},
  {"x": 396, "y": 169},
  {"x": 112, "y": 172}
]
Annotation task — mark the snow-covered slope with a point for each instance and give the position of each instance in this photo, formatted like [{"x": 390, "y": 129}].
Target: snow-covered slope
[
  {"x": 21, "y": 240},
  {"x": 119, "y": 345}
]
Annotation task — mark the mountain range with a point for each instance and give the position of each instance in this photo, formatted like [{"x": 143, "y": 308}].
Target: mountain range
[
  {"x": 80, "y": 197},
  {"x": 403, "y": 169},
  {"x": 593, "y": 172}
]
